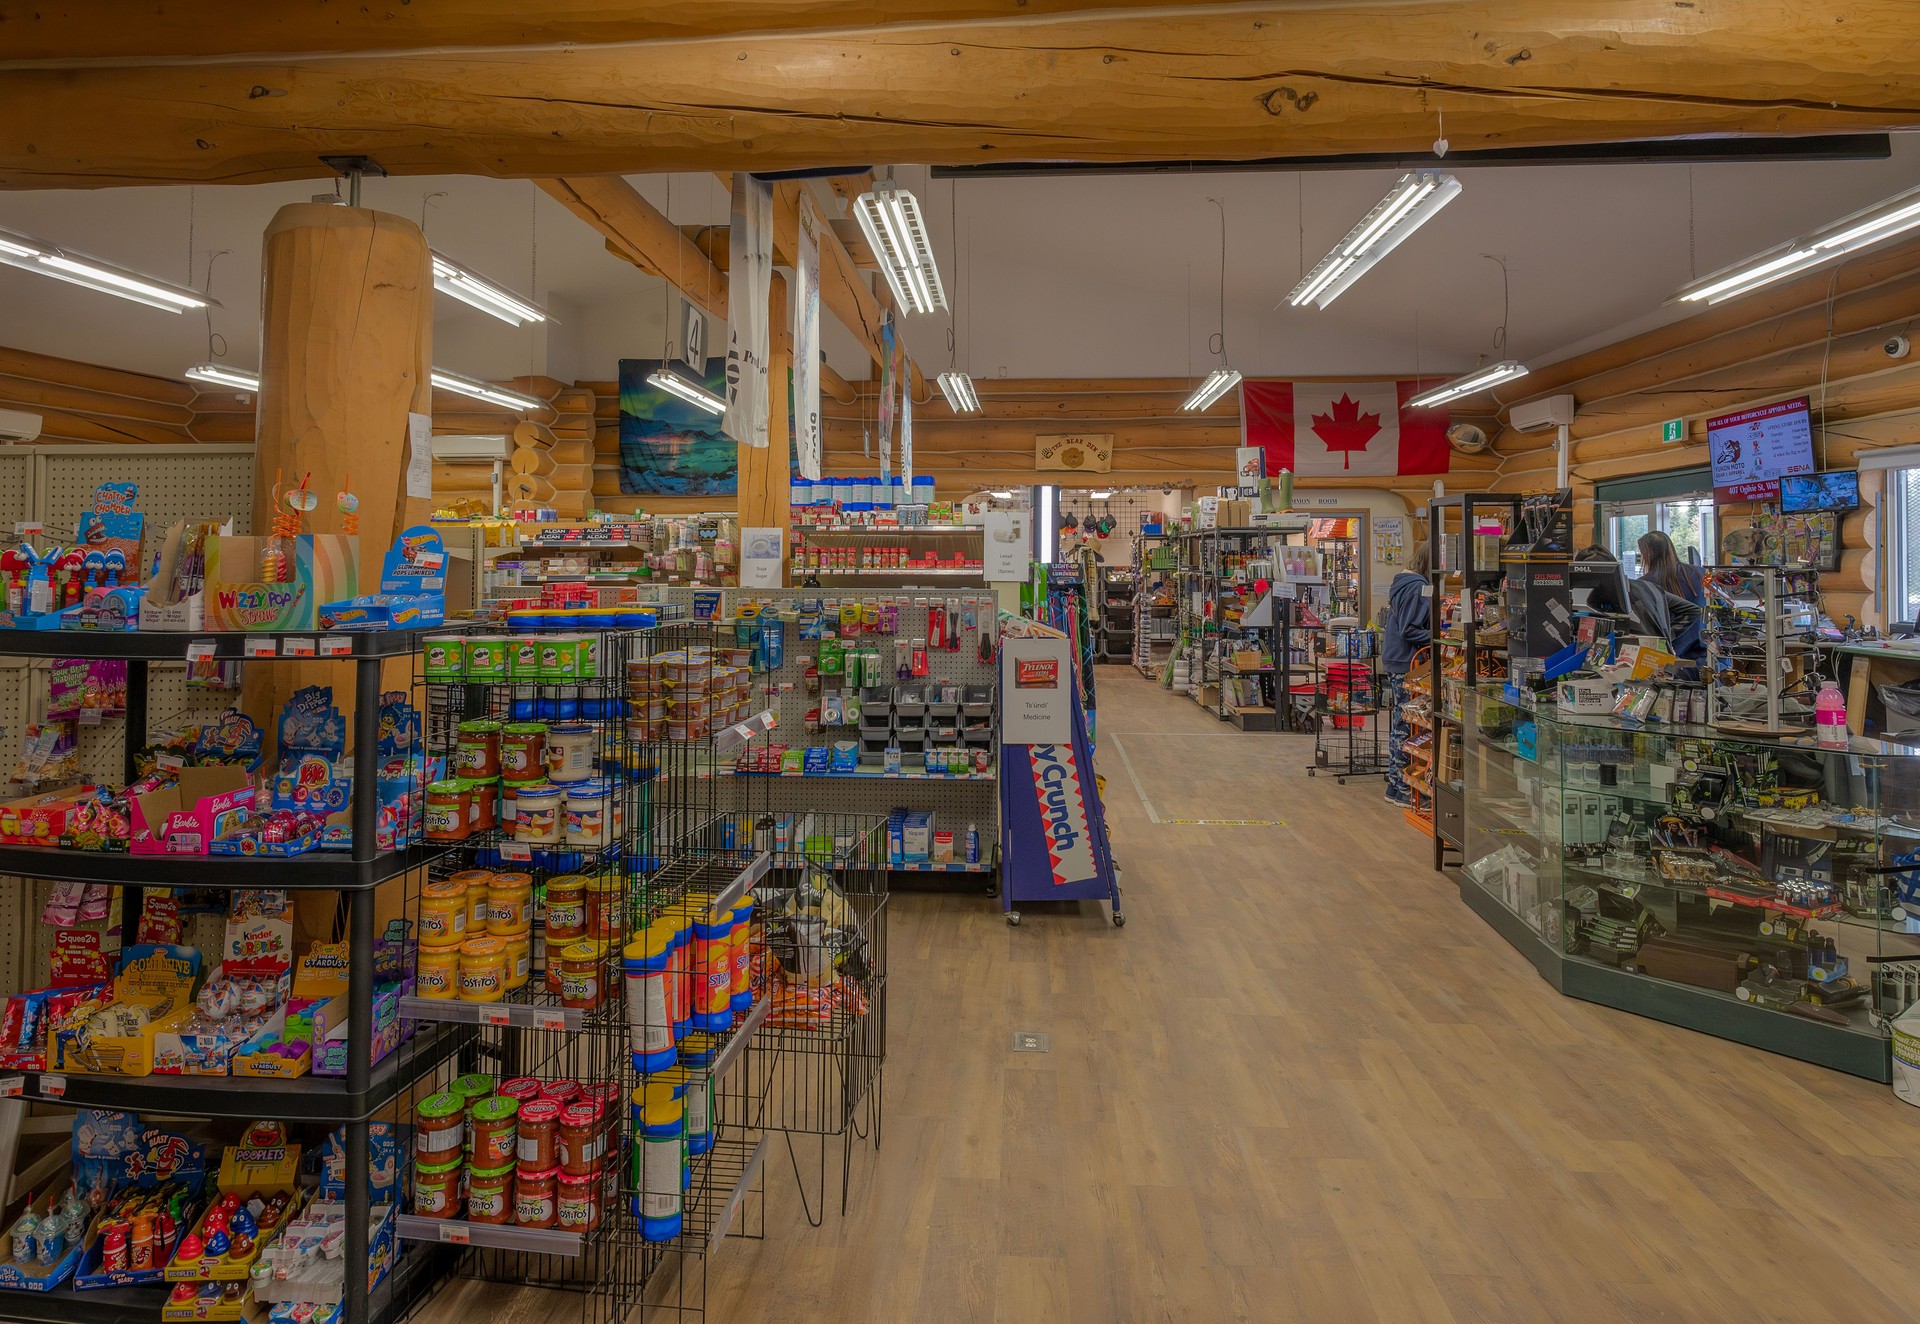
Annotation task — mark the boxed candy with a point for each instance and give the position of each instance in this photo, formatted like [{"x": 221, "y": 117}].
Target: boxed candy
[
  {"x": 230, "y": 1011},
  {"x": 44, "y": 1245},
  {"x": 150, "y": 1180},
  {"x": 115, "y": 1034},
  {"x": 186, "y": 816},
  {"x": 259, "y": 1185}
]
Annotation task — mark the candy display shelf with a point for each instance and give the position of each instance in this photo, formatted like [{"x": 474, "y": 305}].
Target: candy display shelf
[{"x": 316, "y": 870}]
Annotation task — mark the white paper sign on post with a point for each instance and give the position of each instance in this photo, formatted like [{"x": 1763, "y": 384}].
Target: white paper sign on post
[
  {"x": 420, "y": 455},
  {"x": 759, "y": 558},
  {"x": 750, "y": 276},
  {"x": 806, "y": 341},
  {"x": 1009, "y": 546},
  {"x": 1036, "y": 692}
]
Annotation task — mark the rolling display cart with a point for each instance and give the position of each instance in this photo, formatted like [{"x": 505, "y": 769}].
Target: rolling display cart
[
  {"x": 1118, "y": 587},
  {"x": 1347, "y": 711}
]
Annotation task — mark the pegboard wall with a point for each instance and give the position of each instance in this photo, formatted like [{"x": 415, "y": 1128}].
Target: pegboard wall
[
  {"x": 176, "y": 482},
  {"x": 15, "y": 484}
]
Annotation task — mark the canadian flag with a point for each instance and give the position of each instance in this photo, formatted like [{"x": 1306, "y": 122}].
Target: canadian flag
[{"x": 1344, "y": 429}]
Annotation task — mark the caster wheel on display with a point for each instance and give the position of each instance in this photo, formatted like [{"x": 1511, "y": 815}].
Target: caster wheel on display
[
  {"x": 1119, "y": 920},
  {"x": 1013, "y": 918}
]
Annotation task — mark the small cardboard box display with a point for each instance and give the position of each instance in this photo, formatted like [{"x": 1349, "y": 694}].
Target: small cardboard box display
[
  {"x": 322, "y": 567},
  {"x": 413, "y": 588},
  {"x": 31, "y": 1275},
  {"x": 119, "y": 1153},
  {"x": 40, "y": 819},
  {"x": 1585, "y": 695},
  {"x": 161, "y": 607},
  {"x": 268, "y": 1169},
  {"x": 186, "y": 817},
  {"x": 152, "y": 995}
]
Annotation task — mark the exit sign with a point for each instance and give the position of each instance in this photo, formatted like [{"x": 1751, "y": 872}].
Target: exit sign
[{"x": 1674, "y": 429}]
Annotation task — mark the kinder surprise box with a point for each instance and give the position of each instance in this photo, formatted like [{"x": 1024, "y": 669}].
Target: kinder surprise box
[{"x": 321, "y": 567}]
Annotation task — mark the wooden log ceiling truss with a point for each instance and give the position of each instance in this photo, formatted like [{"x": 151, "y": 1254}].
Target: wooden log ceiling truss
[{"x": 102, "y": 92}]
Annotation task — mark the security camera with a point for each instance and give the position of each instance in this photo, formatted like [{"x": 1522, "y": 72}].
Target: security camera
[
  {"x": 18, "y": 426},
  {"x": 1896, "y": 347}
]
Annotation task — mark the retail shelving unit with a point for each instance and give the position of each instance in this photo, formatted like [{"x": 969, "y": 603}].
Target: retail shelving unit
[
  {"x": 367, "y": 1087},
  {"x": 873, "y": 554},
  {"x": 1115, "y": 622},
  {"x": 1347, "y": 711},
  {"x": 1464, "y": 566},
  {"x": 1760, "y": 890},
  {"x": 1762, "y": 638},
  {"x": 1153, "y": 635},
  {"x": 1212, "y": 564}
]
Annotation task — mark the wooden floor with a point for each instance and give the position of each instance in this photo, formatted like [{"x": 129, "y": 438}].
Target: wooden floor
[{"x": 1306, "y": 1083}]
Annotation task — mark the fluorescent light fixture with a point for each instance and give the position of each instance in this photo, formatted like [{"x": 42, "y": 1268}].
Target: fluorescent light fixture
[
  {"x": 1001, "y": 496},
  {"x": 222, "y": 375},
  {"x": 1413, "y": 201},
  {"x": 475, "y": 290},
  {"x": 1217, "y": 384},
  {"x": 958, "y": 388},
  {"x": 1862, "y": 229},
  {"x": 1476, "y": 381},
  {"x": 890, "y": 218},
  {"x": 487, "y": 391},
  {"x": 42, "y": 258},
  {"x": 675, "y": 381}
]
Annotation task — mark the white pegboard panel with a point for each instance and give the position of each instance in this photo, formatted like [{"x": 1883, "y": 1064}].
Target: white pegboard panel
[
  {"x": 15, "y": 469},
  {"x": 170, "y": 705},
  {"x": 176, "y": 482}
]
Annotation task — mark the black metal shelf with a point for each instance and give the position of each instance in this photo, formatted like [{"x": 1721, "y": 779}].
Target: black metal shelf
[
  {"x": 302, "y": 1099},
  {"x": 161, "y": 646},
  {"x": 332, "y": 871},
  {"x": 106, "y": 1305}
]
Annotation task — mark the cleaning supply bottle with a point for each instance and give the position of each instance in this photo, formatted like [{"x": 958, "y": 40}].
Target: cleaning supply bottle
[
  {"x": 973, "y": 843},
  {"x": 1830, "y": 716}
]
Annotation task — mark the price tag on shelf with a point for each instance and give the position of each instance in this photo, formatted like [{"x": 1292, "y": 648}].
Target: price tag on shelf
[
  {"x": 200, "y": 648},
  {"x": 12, "y": 1087},
  {"x": 297, "y": 648},
  {"x": 53, "y": 1087},
  {"x": 455, "y": 1233},
  {"x": 89, "y": 717},
  {"x": 257, "y": 648},
  {"x": 518, "y": 851},
  {"x": 494, "y": 1015},
  {"x": 336, "y": 645},
  {"x": 27, "y": 528},
  {"x": 171, "y": 762},
  {"x": 546, "y": 1018}
]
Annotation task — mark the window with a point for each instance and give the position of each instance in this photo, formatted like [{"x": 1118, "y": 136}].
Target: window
[
  {"x": 1688, "y": 520},
  {"x": 1903, "y": 545}
]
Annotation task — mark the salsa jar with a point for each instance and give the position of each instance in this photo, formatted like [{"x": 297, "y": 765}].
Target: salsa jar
[
  {"x": 522, "y": 1088},
  {"x": 476, "y": 749},
  {"x": 535, "y": 1197},
  {"x": 579, "y": 1203},
  {"x": 436, "y": 1188},
  {"x": 566, "y": 908},
  {"x": 494, "y": 1122},
  {"x": 448, "y": 813},
  {"x": 581, "y": 974},
  {"x": 523, "y": 751},
  {"x": 538, "y": 1145},
  {"x": 439, "y": 1128},
  {"x": 583, "y": 1138},
  {"x": 490, "y": 1197}
]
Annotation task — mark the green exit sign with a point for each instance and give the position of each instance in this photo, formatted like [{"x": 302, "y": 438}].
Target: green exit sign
[{"x": 1674, "y": 429}]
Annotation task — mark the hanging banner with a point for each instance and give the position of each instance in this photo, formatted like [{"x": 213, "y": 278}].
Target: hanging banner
[
  {"x": 1316, "y": 429},
  {"x": 906, "y": 437},
  {"x": 889, "y": 374},
  {"x": 806, "y": 341},
  {"x": 750, "y": 277}
]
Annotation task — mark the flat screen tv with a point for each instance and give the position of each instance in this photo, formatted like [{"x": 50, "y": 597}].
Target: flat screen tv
[
  {"x": 1755, "y": 448},
  {"x": 1837, "y": 489}
]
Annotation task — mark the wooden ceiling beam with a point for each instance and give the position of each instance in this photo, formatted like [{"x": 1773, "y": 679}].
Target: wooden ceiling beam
[
  {"x": 635, "y": 229},
  {"x": 103, "y": 30},
  {"x": 1225, "y": 83}
]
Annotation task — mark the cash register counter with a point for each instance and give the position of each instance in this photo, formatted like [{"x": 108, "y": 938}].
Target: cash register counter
[{"x": 1760, "y": 890}]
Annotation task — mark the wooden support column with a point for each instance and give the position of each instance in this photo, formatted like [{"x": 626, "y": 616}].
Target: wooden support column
[{"x": 766, "y": 482}]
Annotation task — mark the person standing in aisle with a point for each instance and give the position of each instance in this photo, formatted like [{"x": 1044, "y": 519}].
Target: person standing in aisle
[{"x": 1403, "y": 633}]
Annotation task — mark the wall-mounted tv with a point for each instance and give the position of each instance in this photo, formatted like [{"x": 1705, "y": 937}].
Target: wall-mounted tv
[
  {"x": 1837, "y": 489},
  {"x": 1755, "y": 448}
]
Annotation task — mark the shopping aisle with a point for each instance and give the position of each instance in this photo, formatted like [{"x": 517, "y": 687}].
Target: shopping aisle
[{"x": 1306, "y": 1083}]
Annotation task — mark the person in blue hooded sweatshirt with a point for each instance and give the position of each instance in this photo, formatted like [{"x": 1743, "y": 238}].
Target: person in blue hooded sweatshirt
[{"x": 1403, "y": 632}]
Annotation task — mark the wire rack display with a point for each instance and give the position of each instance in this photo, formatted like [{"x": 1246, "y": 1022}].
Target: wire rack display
[
  {"x": 1347, "y": 711},
  {"x": 1155, "y": 630},
  {"x": 1763, "y": 648},
  {"x": 638, "y": 861}
]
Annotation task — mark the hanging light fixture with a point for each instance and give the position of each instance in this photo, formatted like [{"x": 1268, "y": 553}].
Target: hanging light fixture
[
  {"x": 487, "y": 391},
  {"x": 676, "y": 380},
  {"x": 890, "y": 218},
  {"x": 958, "y": 388},
  {"x": 1472, "y": 383},
  {"x": 1415, "y": 199},
  {"x": 476, "y": 291},
  {"x": 1849, "y": 234},
  {"x": 1223, "y": 378},
  {"x": 222, "y": 375},
  {"x": 42, "y": 258}
]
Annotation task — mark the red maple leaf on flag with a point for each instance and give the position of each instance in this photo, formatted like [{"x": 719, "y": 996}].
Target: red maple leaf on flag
[{"x": 1346, "y": 429}]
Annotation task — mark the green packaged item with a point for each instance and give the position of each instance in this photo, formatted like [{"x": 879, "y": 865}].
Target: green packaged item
[
  {"x": 832, "y": 657},
  {"x": 475, "y": 1085},
  {"x": 590, "y": 656},
  {"x": 486, "y": 657},
  {"x": 523, "y": 657},
  {"x": 559, "y": 659},
  {"x": 444, "y": 657}
]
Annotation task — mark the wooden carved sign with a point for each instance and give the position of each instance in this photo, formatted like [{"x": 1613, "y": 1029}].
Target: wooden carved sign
[{"x": 1084, "y": 452}]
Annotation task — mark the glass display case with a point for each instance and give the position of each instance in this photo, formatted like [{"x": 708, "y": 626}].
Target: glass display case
[{"x": 1761, "y": 890}]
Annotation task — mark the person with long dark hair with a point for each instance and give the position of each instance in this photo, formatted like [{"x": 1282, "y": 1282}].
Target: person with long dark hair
[{"x": 1661, "y": 566}]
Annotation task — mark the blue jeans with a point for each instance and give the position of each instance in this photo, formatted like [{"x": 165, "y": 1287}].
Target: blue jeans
[{"x": 1398, "y": 792}]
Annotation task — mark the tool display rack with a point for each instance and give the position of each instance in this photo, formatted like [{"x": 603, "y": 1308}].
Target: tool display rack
[
  {"x": 1593, "y": 849},
  {"x": 1203, "y": 571},
  {"x": 1467, "y": 572},
  {"x": 1761, "y": 631},
  {"x": 1153, "y": 636},
  {"x": 1119, "y": 585},
  {"x": 1347, "y": 736},
  {"x": 677, "y": 844},
  {"x": 887, "y": 708},
  {"x": 368, "y": 1089}
]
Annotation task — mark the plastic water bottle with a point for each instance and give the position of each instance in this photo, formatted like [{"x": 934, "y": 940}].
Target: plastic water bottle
[
  {"x": 973, "y": 844},
  {"x": 1830, "y": 716}
]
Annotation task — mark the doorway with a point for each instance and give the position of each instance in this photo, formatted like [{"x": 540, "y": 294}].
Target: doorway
[{"x": 1687, "y": 519}]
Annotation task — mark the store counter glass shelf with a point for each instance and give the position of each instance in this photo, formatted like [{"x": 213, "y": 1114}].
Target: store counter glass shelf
[{"x": 1764, "y": 891}]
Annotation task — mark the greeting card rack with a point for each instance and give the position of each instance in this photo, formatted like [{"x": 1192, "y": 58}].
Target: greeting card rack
[{"x": 366, "y": 1088}]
